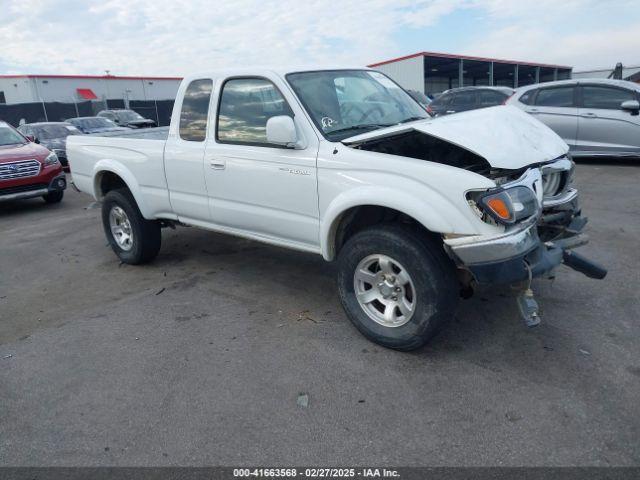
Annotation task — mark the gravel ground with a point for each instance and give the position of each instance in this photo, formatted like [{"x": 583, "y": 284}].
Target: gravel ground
[{"x": 201, "y": 358}]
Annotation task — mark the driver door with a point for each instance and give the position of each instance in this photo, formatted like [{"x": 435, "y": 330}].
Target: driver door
[{"x": 255, "y": 188}]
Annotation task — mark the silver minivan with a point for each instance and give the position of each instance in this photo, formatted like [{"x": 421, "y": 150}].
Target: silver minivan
[{"x": 595, "y": 117}]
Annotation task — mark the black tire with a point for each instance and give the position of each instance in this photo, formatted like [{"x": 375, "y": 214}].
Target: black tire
[
  {"x": 54, "y": 197},
  {"x": 431, "y": 271},
  {"x": 146, "y": 235}
]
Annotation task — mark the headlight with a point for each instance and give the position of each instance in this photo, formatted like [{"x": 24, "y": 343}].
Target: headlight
[
  {"x": 508, "y": 206},
  {"x": 51, "y": 159}
]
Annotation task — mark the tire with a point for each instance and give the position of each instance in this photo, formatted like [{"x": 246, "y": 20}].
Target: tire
[
  {"x": 144, "y": 237},
  {"x": 54, "y": 197},
  {"x": 432, "y": 288}
]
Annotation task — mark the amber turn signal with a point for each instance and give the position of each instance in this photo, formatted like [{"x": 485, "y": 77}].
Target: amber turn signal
[{"x": 499, "y": 207}]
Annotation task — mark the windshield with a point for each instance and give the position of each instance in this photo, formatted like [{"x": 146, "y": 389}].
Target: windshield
[
  {"x": 344, "y": 103},
  {"x": 128, "y": 116},
  {"x": 95, "y": 122},
  {"x": 8, "y": 136},
  {"x": 47, "y": 132}
]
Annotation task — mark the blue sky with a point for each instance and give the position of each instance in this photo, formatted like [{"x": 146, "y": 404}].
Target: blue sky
[{"x": 176, "y": 37}]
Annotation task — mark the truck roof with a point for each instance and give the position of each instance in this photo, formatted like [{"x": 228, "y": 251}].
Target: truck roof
[{"x": 279, "y": 70}]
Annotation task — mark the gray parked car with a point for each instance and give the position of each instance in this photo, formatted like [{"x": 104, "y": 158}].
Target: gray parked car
[
  {"x": 596, "y": 117},
  {"x": 468, "y": 98}
]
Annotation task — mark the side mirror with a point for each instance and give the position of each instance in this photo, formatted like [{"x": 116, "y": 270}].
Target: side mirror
[
  {"x": 31, "y": 138},
  {"x": 632, "y": 106},
  {"x": 282, "y": 131}
]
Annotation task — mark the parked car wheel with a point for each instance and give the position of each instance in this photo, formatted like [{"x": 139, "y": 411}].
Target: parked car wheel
[
  {"x": 133, "y": 238},
  {"x": 396, "y": 286},
  {"x": 54, "y": 197}
]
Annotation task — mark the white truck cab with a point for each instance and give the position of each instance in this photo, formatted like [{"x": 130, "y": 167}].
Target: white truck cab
[{"x": 342, "y": 162}]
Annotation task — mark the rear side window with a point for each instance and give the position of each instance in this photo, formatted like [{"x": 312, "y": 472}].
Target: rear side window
[
  {"x": 463, "y": 99},
  {"x": 245, "y": 106},
  {"x": 195, "y": 110},
  {"x": 605, "y": 97},
  {"x": 490, "y": 98},
  {"x": 555, "y": 97}
]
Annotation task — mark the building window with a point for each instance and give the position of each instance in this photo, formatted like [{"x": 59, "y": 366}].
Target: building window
[{"x": 195, "y": 110}]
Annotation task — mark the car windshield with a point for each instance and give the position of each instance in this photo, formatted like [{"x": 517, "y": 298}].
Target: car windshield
[
  {"x": 96, "y": 122},
  {"x": 128, "y": 116},
  {"x": 344, "y": 103},
  {"x": 8, "y": 136},
  {"x": 46, "y": 132}
]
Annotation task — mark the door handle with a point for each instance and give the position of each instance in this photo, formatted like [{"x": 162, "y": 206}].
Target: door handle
[
  {"x": 451, "y": 111},
  {"x": 217, "y": 164},
  {"x": 588, "y": 115},
  {"x": 532, "y": 110}
]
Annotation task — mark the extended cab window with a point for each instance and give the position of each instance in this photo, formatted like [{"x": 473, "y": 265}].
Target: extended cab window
[
  {"x": 605, "y": 97},
  {"x": 195, "y": 110},
  {"x": 245, "y": 106},
  {"x": 555, "y": 97}
]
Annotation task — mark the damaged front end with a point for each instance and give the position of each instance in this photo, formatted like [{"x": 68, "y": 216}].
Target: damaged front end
[
  {"x": 534, "y": 205},
  {"x": 533, "y": 244}
]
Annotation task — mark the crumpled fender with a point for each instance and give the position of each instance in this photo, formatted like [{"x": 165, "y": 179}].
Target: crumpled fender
[{"x": 425, "y": 210}]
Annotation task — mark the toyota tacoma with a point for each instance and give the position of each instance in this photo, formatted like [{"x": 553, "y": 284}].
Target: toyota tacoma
[{"x": 416, "y": 211}]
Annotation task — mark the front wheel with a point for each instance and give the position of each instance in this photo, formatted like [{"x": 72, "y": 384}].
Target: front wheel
[
  {"x": 396, "y": 285},
  {"x": 132, "y": 237}
]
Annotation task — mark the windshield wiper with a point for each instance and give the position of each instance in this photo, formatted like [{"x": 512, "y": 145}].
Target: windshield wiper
[{"x": 367, "y": 126}]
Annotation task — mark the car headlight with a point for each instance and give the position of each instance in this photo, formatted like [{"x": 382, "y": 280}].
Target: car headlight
[
  {"x": 510, "y": 205},
  {"x": 51, "y": 159}
]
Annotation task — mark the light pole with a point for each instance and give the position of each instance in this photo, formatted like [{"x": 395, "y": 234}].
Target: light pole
[
  {"x": 44, "y": 108},
  {"x": 126, "y": 98},
  {"x": 75, "y": 104},
  {"x": 155, "y": 103}
]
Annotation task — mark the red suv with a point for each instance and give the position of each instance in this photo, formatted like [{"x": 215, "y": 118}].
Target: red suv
[{"x": 27, "y": 169}]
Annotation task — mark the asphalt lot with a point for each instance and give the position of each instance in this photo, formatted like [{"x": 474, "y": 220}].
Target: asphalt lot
[{"x": 199, "y": 358}]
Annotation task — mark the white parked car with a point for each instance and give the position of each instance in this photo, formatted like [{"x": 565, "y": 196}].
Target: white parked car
[{"x": 343, "y": 163}]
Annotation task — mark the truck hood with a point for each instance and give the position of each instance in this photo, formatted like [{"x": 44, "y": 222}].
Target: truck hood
[{"x": 505, "y": 136}]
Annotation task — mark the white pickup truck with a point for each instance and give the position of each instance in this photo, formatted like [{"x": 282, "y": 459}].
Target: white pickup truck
[{"x": 345, "y": 164}]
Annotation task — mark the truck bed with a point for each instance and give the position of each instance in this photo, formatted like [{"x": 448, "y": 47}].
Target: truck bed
[
  {"x": 136, "y": 156},
  {"x": 158, "y": 133}
]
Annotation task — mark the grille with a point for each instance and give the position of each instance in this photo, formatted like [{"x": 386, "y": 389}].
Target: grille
[
  {"x": 553, "y": 183},
  {"x": 21, "y": 169}
]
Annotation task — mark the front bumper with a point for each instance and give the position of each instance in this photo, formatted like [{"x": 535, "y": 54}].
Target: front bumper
[
  {"x": 521, "y": 253},
  {"x": 57, "y": 183}
]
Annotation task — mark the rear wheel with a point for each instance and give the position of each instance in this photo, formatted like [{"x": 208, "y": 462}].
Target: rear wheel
[
  {"x": 396, "y": 286},
  {"x": 54, "y": 197},
  {"x": 132, "y": 237}
]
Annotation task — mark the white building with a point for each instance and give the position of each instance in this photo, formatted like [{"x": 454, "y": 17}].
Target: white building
[{"x": 75, "y": 88}]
